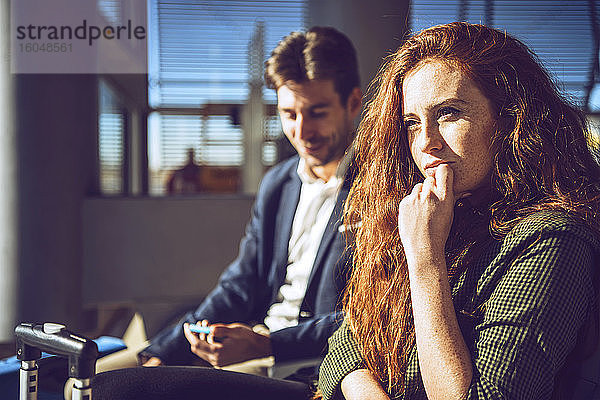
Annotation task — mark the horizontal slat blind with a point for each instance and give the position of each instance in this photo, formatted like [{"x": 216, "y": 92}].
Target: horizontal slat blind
[
  {"x": 558, "y": 31},
  {"x": 169, "y": 138},
  {"x": 272, "y": 134},
  {"x": 111, "y": 10},
  {"x": 220, "y": 142},
  {"x": 199, "y": 55},
  {"x": 111, "y": 130},
  {"x": 201, "y": 51}
]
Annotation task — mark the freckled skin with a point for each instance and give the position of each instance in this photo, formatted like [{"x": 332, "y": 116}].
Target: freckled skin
[
  {"x": 448, "y": 119},
  {"x": 449, "y": 123}
]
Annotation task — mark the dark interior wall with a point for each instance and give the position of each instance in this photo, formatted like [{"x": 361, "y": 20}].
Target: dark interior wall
[
  {"x": 158, "y": 255},
  {"x": 376, "y": 27},
  {"x": 135, "y": 244},
  {"x": 56, "y": 129}
]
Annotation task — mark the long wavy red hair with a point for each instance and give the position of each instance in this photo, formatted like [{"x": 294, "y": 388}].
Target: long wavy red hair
[{"x": 541, "y": 161}]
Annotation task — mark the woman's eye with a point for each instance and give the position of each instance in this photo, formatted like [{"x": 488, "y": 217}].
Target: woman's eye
[
  {"x": 448, "y": 112},
  {"x": 410, "y": 123}
]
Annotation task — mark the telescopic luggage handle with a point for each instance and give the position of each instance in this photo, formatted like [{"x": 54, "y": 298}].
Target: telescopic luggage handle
[{"x": 54, "y": 339}]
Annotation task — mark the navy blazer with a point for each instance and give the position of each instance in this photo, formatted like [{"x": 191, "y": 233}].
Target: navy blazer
[{"x": 250, "y": 284}]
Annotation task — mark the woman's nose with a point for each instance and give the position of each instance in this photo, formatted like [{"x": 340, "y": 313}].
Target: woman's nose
[{"x": 430, "y": 139}]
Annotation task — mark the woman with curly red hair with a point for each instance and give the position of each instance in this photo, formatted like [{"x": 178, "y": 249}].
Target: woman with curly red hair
[{"x": 475, "y": 213}]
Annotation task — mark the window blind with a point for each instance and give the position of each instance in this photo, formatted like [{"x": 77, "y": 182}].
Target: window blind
[
  {"x": 558, "y": 31},
  {"x": 111, "y": 130},
  {"x": 201, "y": 48},
  {"x": 111, "y": 10},
  {"x": 200, "y": 56},
  {"x": 272, "y": 135}
]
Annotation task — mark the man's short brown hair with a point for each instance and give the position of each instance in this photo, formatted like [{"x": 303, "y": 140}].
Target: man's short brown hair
[{"x": 320, "y": 53}]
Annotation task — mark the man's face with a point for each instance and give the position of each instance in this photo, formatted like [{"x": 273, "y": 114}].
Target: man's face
[{"x": 315, "y": 121}]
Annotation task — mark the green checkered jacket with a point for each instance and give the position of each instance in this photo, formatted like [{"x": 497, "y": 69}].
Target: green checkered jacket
[{"x": 520, "y": 308}]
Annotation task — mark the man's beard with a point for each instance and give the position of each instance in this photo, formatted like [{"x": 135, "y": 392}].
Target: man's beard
[{"x": 336, "y": 149}]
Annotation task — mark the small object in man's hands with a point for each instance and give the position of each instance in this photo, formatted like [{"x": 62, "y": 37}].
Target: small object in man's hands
[{"x": 199, "y": 329}]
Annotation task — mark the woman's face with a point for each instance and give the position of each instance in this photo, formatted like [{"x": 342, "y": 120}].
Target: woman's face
[{"x": 448, "y": 121}]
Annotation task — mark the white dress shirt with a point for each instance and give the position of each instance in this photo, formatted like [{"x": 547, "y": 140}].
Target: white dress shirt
[{"x": 317, "y": 200}]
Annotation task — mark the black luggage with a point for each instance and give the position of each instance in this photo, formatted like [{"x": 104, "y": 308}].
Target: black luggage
[{"x": 51, "y": 338}]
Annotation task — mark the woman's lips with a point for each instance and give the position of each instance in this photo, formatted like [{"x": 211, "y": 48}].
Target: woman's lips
[{"x": 431, "y": 167}]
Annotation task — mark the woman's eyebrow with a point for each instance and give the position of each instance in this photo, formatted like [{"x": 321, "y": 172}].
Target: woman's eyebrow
[
  {"x": 452, "y": 100},
  {"x": 446, "y": 102}
]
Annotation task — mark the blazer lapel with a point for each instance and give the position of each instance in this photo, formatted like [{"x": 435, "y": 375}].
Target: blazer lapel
[{"x": 290, "y": 195}]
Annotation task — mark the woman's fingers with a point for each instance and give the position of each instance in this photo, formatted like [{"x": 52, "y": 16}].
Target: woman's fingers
[
  {"x": 444, "y": 182},
  {"x": 417, "y": 189},
  {"x": 428, "y": 186},
  {"x": 425, "y": 216},
  {"x": 440, "y": 184}
]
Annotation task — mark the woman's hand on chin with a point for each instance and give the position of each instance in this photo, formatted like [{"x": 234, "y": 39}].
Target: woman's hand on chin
[{"x": 425, "y": 215}]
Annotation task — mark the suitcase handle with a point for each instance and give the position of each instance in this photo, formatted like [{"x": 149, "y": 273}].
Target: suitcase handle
[{"x": 55, "y": 339}]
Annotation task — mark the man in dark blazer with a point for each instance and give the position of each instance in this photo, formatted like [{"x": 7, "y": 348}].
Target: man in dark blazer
[{"x": 300, "y": 200}]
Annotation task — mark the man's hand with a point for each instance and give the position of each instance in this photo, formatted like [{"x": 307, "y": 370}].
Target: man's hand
[
  {"x": 152, "y": 362},
  {"x": 228, "y": 344}
]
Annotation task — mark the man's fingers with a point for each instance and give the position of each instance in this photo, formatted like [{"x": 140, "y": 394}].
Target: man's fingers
[
  {"x": 153, "y": 362},
  {"x": 189, "y": 335},
  {"x": 204, "y": 323},
  {"x": 210, "y": 345},
  {"x": 213, "y": 340},
  {"x": 195, "y": 340},
  {"x": 200, "y": 345}
]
